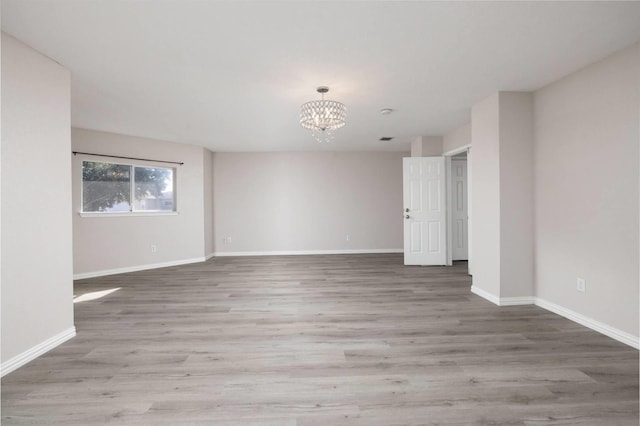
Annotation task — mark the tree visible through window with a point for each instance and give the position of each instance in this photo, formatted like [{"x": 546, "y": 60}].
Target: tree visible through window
[{"x": 108, "y": 187}]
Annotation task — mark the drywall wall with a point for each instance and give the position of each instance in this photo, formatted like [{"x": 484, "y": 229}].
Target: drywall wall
[
  {"x": 37, "y": 287},
  {"x": 485, "y": 203},
  {"x": 1, "y": 151},
  {"x": 301, "y": 201},
  {"x": 457, "y": 138},
  {"x": 502, "y": 205},
  {"x": 426, "y": 146},
  {"x": 516, "y": 194},
  {"x": 586, "y": 191},
  {"x": 111, "y": 244},
  {"x": 208, "y": 202}
]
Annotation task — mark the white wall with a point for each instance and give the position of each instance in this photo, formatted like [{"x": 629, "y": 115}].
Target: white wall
[
  {"x": 1, "y": 151},
  {"x": 457, "y": 138},
  {"x": 485, "y": 204},
  {"x": 516, "y": 194},
  {"x": 110, "y": 244},
  {"x": 37, "y": 290},
  {"x": 208, "y": 202},
  {"x": 586, "y": 190},
  {"x": 502, "y": 205},
  {"x": 426, "y": 146},
  {"x": 301, "y": 201}
]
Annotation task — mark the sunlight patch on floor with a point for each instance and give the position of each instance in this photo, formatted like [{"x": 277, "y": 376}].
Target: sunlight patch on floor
[{"x": 94, "y": 295}]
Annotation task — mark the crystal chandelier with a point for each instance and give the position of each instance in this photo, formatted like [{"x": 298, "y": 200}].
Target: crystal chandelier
[{"x": 323, "y": 117}]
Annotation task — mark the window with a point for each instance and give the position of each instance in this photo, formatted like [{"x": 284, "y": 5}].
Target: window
[{"x": 113, "y": 188}]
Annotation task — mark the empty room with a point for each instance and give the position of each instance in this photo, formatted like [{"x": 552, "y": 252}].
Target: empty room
[{"x": 299, "y": 213}]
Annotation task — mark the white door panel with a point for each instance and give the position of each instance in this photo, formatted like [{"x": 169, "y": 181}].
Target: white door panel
[
  {"x": 424, "y": 202},
  {"x": 460, "y": 208}
]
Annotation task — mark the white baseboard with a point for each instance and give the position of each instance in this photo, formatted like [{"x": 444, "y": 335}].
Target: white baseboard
[
  {"x": 607, "y": 330},
  {"x": 485, "y": 295},
  {"x": 136, "y": 268},
  {"x": 33, "y": 353},
  {"x": 106, "y": 272},
  {"x": 304, "y": 252},
  {"x": 517, "y": 301},
  {"x": 503, "y": 301}
]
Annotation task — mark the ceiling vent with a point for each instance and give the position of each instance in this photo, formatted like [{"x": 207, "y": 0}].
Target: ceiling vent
[{"x": 386, "y": 138}]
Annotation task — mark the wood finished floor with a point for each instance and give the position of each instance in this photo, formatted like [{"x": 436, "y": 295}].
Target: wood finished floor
[{"x": 319, "y": 340}]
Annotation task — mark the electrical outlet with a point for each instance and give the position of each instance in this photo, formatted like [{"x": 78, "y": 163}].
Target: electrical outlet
[
  {"x": 229, "y": 240},
  {"x": 348, "y": 237},
  {"x": 226, "y": 240},
  {"x": 154, "y": 248},
  {"x": 581, "y": 285}
]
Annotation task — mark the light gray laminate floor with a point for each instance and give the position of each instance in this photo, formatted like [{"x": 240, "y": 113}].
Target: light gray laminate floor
[{"x": 319, "y": 340}]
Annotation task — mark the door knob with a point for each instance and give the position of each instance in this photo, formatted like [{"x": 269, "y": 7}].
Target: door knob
[{"x": 406, "y": 217}]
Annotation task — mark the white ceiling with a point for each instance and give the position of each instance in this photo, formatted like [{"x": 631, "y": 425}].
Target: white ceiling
[{"x": 231, "y": 76}]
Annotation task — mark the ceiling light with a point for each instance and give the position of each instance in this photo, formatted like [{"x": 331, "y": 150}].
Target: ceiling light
[
  {"x": 323, "y": 117},
  {"x": 386, "y": 111}
]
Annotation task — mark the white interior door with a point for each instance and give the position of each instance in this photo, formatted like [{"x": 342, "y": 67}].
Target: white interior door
[
  {"x": 424, "y": 211},
  {"x": 459, "y": 209}
]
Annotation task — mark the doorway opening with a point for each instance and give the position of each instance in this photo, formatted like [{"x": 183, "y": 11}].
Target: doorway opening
[
  {"x": 458, "y": 163},
  {"x": 437, "y": 209}
]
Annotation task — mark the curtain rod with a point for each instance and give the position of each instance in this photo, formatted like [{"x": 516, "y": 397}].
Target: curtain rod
[{"x": 127, "y": 158}]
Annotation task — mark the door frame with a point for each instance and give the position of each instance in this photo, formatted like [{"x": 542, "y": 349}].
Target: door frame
[{"x": 448, "y": 188}]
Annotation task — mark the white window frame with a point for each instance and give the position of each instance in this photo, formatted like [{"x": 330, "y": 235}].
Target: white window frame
[{"x": 131, "y": 212}]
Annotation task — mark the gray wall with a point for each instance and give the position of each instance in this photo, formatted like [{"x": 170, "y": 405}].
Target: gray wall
[
  {"x": 265, "y": 202},
  {"x": 516, "y": 194},
  {"x": 586, "y": 190},
  {"x": 457, "y": 138},
  {"x": 308, "y": 201},
  {"x": 426, "y": 146},
  {"x": 575, "y": 147},
  {"x": 502, "y": 207},
  {"x": 37, "y": 290},
  {"x": 485, "y": 204},
  {"x": 208, "y": 203},
  {"x": 119, "y": 243}
]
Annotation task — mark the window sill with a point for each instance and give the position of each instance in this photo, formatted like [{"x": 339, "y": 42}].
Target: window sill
[{"x": 126, "y": 214}]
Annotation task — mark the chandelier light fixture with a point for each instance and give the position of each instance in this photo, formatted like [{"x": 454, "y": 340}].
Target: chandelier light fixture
[{"x": 323, "y": 117}]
